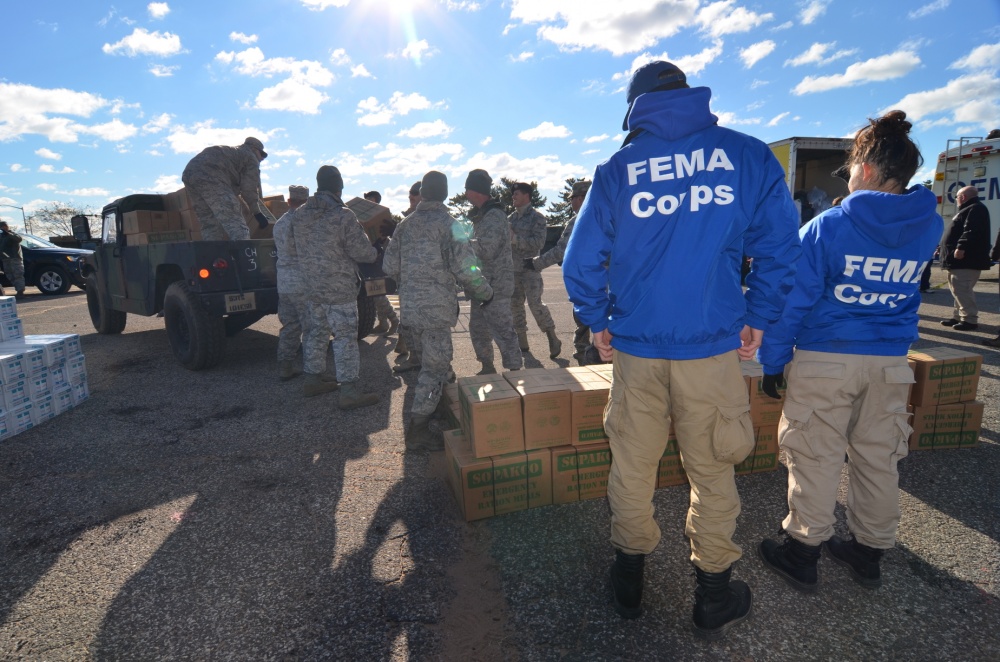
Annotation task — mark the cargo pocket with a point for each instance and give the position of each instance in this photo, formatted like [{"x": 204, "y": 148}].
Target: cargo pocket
[
  {"x": 794, "y": 442},
  {"x": 820, "y": 369},
  {"x": 613, "y": 410},
  {"x": 904, "y": 431},
  {"x": 898, "y": 374},
  {"x": 732, "y": 438}
]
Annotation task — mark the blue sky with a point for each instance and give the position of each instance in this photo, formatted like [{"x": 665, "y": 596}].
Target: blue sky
[{"x": 99, "y": 100}]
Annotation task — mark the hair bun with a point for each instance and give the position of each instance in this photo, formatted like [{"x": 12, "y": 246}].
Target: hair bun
[{"x": 892, "y": 122}]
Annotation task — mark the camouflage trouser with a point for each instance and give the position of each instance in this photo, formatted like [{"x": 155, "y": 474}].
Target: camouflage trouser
[
  {"x": 383, "y": 308},
  {"x": 341, "y": 320},
  {"x": 219, "y": 211},
  {"x": 494, "y": 322},
  {"x": 435, "y": 367},
  {"x": 406, "y": 337},
  {"x": 528, "y": 285},
  {"x": 14, "y": 269},
  {"x": 292, "y": 315}
]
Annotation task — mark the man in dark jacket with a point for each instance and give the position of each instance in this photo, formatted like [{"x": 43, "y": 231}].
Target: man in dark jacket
[{"x": 967, "y": 254}]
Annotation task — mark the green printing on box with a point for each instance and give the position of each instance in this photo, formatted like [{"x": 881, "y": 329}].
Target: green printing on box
[
  {"x": 953, "y": 370},
  {"x": 593, "y": 434}
]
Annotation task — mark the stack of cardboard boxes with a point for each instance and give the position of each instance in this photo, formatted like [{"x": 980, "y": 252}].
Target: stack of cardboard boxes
[
  {"x": 178, "y": 204},
  {"x": 143, "y": 227},
  {"x": 943, "y": 401},
  {"x": 41, "y": 376},
  {"x": 536, "y": 437}
]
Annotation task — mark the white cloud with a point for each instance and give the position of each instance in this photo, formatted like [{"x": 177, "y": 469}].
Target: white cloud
[
  {"x": 620, "y": 27},
  {"x": 340, "y": 58},
  {"x": 589, "y": 152},
  {"x": 291, "y": 95},
  {"x": 48, "y": 154},
  {"x": 374, "y": 113},
  {"x": 817, "y": 54},
  {"x": 596, "y": 139},
  {"x": 158, "y": 10},
  {"x": 143, "y": 42},
  {"x": 47, "y": 187},
  {"x": 721, "y": 18},
  {"x": 243, "y": 38},
  {"x": 813, "y": 10},
  {"x": 320, "y": 5},
  {"x": 297, "y": 93},
  {"x": 522, "y": 57},
  {"x": 113, "y": 131},
  {"x": 191, "y": 141},
  {"x": 167, "y": 184},
  {"x": 162, "y": 70},
  {"x": 727, "y": 118},
  {"x": 423, "y": 130},
  {"x": 777, "y": 118},
  {"x": 88, "y": 192},
  {"x": 973, "y": 99},
  {"x": 929, "y": 8},
  {"x": 883, "y": 67},
  {"x": 48, "y": 168},
  {"x": 25, "y": 109},
  {"x": 158, "y": 123},
  {"x": 486, "y": 141},
  {"x": 691, "y": 65},
  {"x": 986, "y": 56},
  {"x": 415, "y": 50},
  {"x": 16, "y": 167},
  {"x": 544, "y": 130},
  {"x": 360, "y": 71},
  {"x": 784, "y": 26},
  {"x": 546, "y": 169},
  {"x": 754, "y": 53}
]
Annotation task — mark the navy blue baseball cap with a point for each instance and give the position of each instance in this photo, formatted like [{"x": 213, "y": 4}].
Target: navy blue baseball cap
[{"x": 656, "y": 76}]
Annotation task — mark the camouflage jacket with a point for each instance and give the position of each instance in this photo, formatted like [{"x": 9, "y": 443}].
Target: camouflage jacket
[
  {"x": 289, "y": 275},
  {"x": 234, "y": 167},
  {"x": 491, "y": 241},
  {"x": 329, "y": 243},
  {"x": 429, "y": 251},
  {"x": 555, "y": 254},
  {"x": 10, "y": 245},
  {"x": 529, "y": 235}
]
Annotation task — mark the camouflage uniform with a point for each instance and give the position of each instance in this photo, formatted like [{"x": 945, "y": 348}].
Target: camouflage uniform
[
  {"x": 291, "y": 289},
  {"x": 581, "y": 337},
  {"x": 330, "y": 242},
  {"x": 428, "y": 252},
  {"x": 529, "y": 237},
  {"x": 13, "y": 262},
  {"x": 491, "y": 242},
  {"x": 214, "y": 179}
]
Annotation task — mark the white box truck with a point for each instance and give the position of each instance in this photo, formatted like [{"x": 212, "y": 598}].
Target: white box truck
[
  {"x": 809, "y": 164},
  {"x": 969, "y": 161}
]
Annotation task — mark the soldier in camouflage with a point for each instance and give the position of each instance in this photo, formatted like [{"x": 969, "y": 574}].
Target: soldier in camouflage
[
  {"x": 527, "y": 226},
  {"x": 581, "y": 337},
  {"x": 330, "y": 242},
  {"x": 428, "y": 252},
  {"x": 491, "y": 242},
  {"x": 215, "y": 179},
  {"x": 12, "y": 258},
  {"x": 291, "y": 288},
  {"x": 409, "y": 354},
  {"x": 388, "y": 322}
]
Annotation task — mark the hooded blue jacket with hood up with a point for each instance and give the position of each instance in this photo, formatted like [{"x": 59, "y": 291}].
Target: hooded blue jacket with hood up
[
  {"x": 656, "y": 253},
  {"x": 856, "y": 290}
]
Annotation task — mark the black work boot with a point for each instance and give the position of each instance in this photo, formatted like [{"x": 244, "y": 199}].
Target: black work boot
[
  {"x": 861, "y": 560},
  {"x": 795, "y": 561},
  {"x": 719, "y": 604},
  {"x": 626, "y": 583}
]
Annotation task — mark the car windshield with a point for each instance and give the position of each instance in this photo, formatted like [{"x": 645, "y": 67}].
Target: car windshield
[{"x": 31, "y": 241}]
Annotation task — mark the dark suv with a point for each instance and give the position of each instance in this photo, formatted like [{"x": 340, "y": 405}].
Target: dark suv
[{"x": 50, "y": 268}]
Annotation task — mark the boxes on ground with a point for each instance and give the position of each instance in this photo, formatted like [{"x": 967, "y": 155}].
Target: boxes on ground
[
  {"x": 764, "y": 410},
  {"x": 954, "y": 425},
  {"x": 471, "y": 478},
  {"x": 145, "y": 222},
  {"x": 545, "y": 407},
  {"x": 944, "y": 375},
  {"x": 764, "y": 456},
  {"x": 491, "y": 415},
  {"x": 589, "y": 393},
  {"x": 374, "y": 218}
]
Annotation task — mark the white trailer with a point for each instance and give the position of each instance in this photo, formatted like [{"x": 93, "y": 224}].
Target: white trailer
[
  {"x": 969, "y": 161},
  {"x": 809, "y": 164}
]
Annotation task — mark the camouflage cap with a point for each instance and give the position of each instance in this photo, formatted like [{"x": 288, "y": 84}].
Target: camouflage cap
[
  {"x": 257, "y": 145},
  {"x": 434, "y": 187},
  {"x": 298, "y": 193},
  {"x": 415, "y": 188},
  {"x": 328, "y": 178},
  {"x": 580, "y": 188},
  {"x": 479, "y": 181}
]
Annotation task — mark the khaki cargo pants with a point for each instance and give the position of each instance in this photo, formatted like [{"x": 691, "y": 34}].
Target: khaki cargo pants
[
  {"x": 836, "y": 404},
  {"x": 708, "y": 403}
]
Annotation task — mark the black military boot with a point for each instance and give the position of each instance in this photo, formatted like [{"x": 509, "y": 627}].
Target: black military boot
[
  {"x": 795, "y": 561},
  {"x": 861, "y": 560},
  {"x": 719, "y": 603},
  {"x": 626, "y": 583}
]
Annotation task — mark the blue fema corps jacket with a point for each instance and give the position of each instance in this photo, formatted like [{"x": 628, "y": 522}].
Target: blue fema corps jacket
[
  {"x": 856, "y": 291},
  {"x": 672, "y": 214}
]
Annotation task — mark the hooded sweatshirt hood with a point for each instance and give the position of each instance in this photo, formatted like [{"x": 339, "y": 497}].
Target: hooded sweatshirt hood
[
  {"x": 889, "y": 219},
  {"x": 672, "y": 114}
]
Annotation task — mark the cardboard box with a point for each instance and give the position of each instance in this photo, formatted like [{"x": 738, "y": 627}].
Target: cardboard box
[
  {"x": 594, "y": 465},
  {"x": 471, "y": 478},
  {"x": 38, "y": 385},
  {"x": 545, "y": 408},
  {"x": 944, "y": 376},
  {"x": 589, "y": 393},
  {"x": 46, "y": 350},
  {"x": 166, "y": 237},
  {"x": 16, "y": 394},
  {"x": 62, "y": 398},
  {"x": 764, "y": 410},
  {"x": 8, "y": 308},
  {"x": 276, "y": 205},
  {"x": 5, "y": 430},
  {"x": 510, "y": 482},
  {"x": 671, "y": 472},
  {"x": 11, "y": 329},
  {"x": 764, "y": 456},
  {"x": 42, "y": 409},
  {"x": 565, "y": 477},
  {"x": 491, "y": 415},
  {"x": 605, "y": 370},
  {"x": 31, "y": 360},
  {"x": 176, "y": 201},
  {"x": 13, "y": 366},
  {"x": 956, "y": 425},
  {"x": 81, "y": 391},
  {"x": 539, "y": 477},
  {"x": 373, "y": 217},
  {"x": 19, "y": 420},
  {"x": 190, "y": 222},
  {"x": 143, "y": 221}
]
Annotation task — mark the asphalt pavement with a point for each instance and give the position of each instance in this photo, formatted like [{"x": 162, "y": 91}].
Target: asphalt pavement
[{"x": 219, "y": 515}]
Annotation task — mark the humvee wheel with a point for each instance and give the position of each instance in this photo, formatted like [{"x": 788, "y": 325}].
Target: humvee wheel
[
  {"x": 105, "y": 320},
  {"x": 196, "y": 337}
]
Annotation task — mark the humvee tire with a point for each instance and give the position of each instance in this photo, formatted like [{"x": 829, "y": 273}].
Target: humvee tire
[
  {"x": 105, "y": 320},
  {"x": 196, "y": 338},
  {"x": 366, "y": 314}
]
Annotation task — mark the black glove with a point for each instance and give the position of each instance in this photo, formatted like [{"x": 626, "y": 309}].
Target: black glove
[
  {"x": 529, "y": 264},
  {"x": 771, "y": 384},
  {"x": 261, "y": 220},
  {"x": 483, "y": 304}
]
